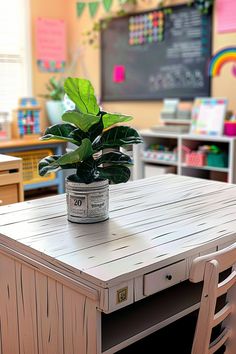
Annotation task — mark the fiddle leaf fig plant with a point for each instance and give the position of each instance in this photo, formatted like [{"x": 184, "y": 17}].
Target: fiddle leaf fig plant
[{"x": 93, "y": 132}]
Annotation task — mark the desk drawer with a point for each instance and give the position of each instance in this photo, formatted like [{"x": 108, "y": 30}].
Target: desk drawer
[
  {"x": 8, "y": 194},
  {"x": 163, "y": 278}
]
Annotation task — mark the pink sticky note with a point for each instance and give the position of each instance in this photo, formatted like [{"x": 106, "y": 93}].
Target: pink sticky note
[
  {"x": 119, "y": 73},
  {"x": 50, "y": 40},
  {"x": 226, "y": 15}
]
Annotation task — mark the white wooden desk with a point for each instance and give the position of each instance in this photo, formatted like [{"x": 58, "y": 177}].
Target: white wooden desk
[{"x": 86, "y": 289}]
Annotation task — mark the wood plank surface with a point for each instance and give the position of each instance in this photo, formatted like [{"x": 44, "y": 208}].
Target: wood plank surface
[
  {"x": 153, "y": 223},
  {"x": 27, "y": 309},
  {"x": 9, "y": 338},
  {"x": 49, "y": 312}
]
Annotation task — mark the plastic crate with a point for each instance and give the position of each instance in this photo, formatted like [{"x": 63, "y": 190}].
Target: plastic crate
[
  {"x": 217, "y": 160},
  {"x": 30, "y": 165},
  {"x": 195, "y": 158}
]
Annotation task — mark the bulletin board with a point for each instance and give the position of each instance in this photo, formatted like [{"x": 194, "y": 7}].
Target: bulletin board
[{"x": 154, "y": 55}]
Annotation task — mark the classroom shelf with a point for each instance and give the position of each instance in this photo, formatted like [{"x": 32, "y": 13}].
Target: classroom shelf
[
  {"x": 180, "y": 142},
  {"x": 208, "y": 168},
  {"x": 160, "y": 162},
  {"x": 177, "y": 121}
]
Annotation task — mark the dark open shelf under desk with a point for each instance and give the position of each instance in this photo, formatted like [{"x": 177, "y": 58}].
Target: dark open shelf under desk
[{"x": 124, "y": 327}]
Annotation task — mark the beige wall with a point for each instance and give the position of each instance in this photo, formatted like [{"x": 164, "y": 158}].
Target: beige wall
[{"x": 146, "y": 114}]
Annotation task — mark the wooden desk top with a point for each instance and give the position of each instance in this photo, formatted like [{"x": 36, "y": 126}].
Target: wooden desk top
[
  {"x": 27, "y": 142},
  {"x": 6, "y": 158},
  {"x": 153, "y": 223}
]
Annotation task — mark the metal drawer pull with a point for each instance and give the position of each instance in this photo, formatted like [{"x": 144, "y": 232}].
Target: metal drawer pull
[{"x": 169, "y": 277}]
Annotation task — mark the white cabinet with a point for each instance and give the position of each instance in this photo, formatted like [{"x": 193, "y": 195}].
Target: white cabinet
[{"x": 144, "y": 166}]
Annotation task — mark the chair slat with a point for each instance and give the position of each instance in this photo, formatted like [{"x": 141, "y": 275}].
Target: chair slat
[
  {"x": 219, "y": 341},
  {"x": 222, "y": 314},
  {"x": 226, "y": 284},
  {"x": 207, "y": 269}
]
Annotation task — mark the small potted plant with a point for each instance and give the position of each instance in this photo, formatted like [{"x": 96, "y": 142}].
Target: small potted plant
[
  {"x": 94, "y": 133},
  {"x": 54, "y": 100}
]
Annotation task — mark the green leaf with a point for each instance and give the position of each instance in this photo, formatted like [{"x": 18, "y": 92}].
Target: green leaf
[
  {"x": 54, "y": 137},
  {"x": 59, "y": 132},
  {"x": 81, "y": 92},
  {"x": 82, "y": 153},
  {"x": 50, "y": 164},
  {"x": 82, "y": 121},
  {"x": 80, "y": 6},
  {"x": 115, "y": 174},
  {"x": 117, "y": 136},
  {"x": 93, "y": 132},
  {"x": 115, "y": 157},
  {"x": 87, "y": 171},
  {"x": 110, "y": 119},
  {"x": 78, "y": 135}
]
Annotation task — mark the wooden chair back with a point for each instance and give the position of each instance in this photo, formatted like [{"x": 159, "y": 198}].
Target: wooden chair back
[{"x": 207, "y": 269}]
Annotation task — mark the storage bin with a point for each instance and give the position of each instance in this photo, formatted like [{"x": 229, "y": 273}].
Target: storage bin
[
  {"x": 217, "y": 160},
  {"x": 195, "y": 158},
  {"x": 230, "y": 128},
  {"x": 30, "y": 165}
]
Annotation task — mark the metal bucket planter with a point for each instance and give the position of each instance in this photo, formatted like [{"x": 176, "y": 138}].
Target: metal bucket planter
[{"x": 87, "y": 203}]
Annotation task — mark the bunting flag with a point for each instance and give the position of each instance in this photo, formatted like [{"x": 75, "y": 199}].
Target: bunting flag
[
  {"x": 107, "y": 5},
  {"x": 93, "y": 7},
  {"x": 80, "y": 6}
]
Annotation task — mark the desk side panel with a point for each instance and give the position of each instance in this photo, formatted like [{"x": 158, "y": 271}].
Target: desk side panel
[{"x": 40, "y": 315}]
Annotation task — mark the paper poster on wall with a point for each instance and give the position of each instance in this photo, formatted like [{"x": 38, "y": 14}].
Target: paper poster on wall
[
  {"x": 50, "y": 44},
  {"x": 119, "y": 73},
  {"x": 226, "y": 15},
  {"x": 208, "y": 116}
]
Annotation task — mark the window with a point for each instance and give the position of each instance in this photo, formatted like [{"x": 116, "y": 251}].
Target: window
[{"x": 15, "y": 58}]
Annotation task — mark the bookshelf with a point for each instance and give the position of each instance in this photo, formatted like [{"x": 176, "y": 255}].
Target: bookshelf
[{"x": 182, "y": 141}]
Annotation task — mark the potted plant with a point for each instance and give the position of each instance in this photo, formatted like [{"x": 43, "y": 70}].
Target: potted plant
[
  {"x": 93, "y": 132},
  {"x": 55, "y": 106}
]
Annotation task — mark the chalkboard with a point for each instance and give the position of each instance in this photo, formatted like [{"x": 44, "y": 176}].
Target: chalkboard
[{"x": 138, "y": 64}]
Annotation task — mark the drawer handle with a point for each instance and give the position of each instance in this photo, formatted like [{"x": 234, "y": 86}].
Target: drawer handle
[{"x": 169, "y": 277}]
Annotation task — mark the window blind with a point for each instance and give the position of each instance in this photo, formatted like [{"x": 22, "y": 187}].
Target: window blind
[{"x": 14, "y": 53}]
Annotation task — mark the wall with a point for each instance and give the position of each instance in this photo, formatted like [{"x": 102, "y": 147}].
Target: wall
[
  {"x": 48, "y": 9},
  {"x": 146, "y": 114}
]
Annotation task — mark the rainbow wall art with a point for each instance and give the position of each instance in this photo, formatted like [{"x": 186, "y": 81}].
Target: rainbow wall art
[{"x": 222, "y": 57}]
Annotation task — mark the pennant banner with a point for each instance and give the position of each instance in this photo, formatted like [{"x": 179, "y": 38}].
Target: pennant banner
[
  {"x": 80, "y": 6},
  {"x": 107, "y": 5},
  {"x": 93, "y": 7}
]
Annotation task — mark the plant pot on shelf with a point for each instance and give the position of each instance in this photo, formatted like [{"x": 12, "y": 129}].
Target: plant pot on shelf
[
  {"x": 55, "y": 110},
  {"x": 87, "y": 203}
]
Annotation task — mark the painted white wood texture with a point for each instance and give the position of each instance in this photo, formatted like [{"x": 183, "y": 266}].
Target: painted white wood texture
[
  {"x": 164, "y": 278},
  {"x": 39, "y": 315},
  {"x": 153, "y": 223},
  {"x": 56, "y": 277},
  {"x": 207, "y": 269}
]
